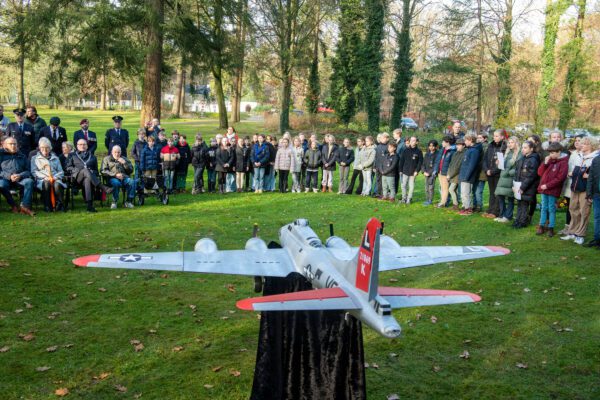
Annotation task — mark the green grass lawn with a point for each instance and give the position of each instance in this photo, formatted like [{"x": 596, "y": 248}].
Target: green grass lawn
[{"x": 539, "y": 309}]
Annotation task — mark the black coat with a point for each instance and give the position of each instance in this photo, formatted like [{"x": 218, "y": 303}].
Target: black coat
[
  {"x": 211, "y": 157},
  {"x": 199, "y": 155},
  {"x": 25, "y": 137},
  {"x": 490, "y": 157},
  {"x": 224, "y": 156},
  {"x": 92, "y": 140},
  {"x": 389, "y": 164},
  {"x": 114, "y": 138},
  {"x": 242, "y": 158},
  {"x": 329, "y": 158},
  {"x": 410, "y": 161},
  {"x": 526, "y": 173},
  {"x": 380, "y": 151},
  {"x": 137, "y": 148},
  {"x": 593, "y": 181},
  {"x": 345, "y": 155},
  {"x": 78, "y": 161},
  {"x": 185, "y": 158},
  {"x": 56, "y": 143}
]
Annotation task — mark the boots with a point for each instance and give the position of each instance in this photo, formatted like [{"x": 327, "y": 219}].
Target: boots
[
  {"x": 550, "y": 232},
  {"x": 107, "y": 189},
  {"x": 221, "y": 189},
  {"x": 540, "y": 230},
  {"x": 90, "y": 207},
  {"x": 323, "y": 188}
]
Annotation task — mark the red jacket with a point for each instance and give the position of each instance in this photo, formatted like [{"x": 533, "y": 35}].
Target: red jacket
[{"x": 553, "y": 176}]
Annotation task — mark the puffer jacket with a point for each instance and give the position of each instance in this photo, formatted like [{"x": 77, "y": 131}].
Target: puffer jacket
[
  {"x": 454, "y": 167},
  {"x": 505, "y": 182},
  {"x": 199, "y": 155},
  {"x": 469, "y": 169},
  {"x": 242, "y": 158},
  {"x": 366, "y": 158},
  {"x": 14, "y": 163},
  {"x": 526, "y": 173},
  {"x": 111, "y": 167},
  {"x": 150, "y": 158},
  {"x": 284, "y": 160},
  {"x": 445, "y": 158},
  {"x": 39, "y": 169},
  {"x": 298, "y": 155},
  {"x": 553, "y": 175},
  {"x": 312, "y": 159}
]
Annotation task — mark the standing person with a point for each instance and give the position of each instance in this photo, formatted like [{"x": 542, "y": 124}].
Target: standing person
[
  {"x": 526, "y": 175},
  {"x": 260, "y": 161},
  {"x": 153, "y": 128},
  {"x": 492, "y": 171},
  {"x": 249, "y": 178},
  {"x": 400, "y": 146},
  {"x": 448, "y": 150},
  {"x": 230, "y": 184},
  {"x": 55, "y": 133},
  {"x": 574, "y": 158},
  {"x": 553, "y": 172},
  {"x": 312, "y": 159},
  {"x": 87, "y": 135},
  {"x": 409, "y": 166},
  {"x": 269, "y": 181},
  {"x": 329, "y": 157},
  {"x": 150, "y": 159},
  {"x": 162, "y": 139},
  {"x": 389, "y": 171},
  {"x": 242, "y": 164},
  {"x": 305, "y": 145},
  {"x": 185, "y": 158},
  {"x": 22, "y": 131},
  {"x": 429, "y": 169},
  {"x": 37, "y": 122},
  {"x": 345, "y": 159},
  {"x": 479, "y": 185},
  {"x": 117, "y": 136},
  {"x": 170, "y": 157},
  {"x": 357, "y": 170},
  {"x": 137, "y": 149},
  {"x": 48, "y": 174},
  {"x": 366, "y": 160},
  {"x": 211, "y": 165},
  {"x": 380, "y": 150},
  {"x": 469, "y": 172},
  {"x": 15, "y": 173},
  {"x": 537, "y": 152},
  {"x": 225, "y": 159},
  {"x": 4, "y": 121},
  {"x": 454, "y": 171},
  {"x": 580, "y": 207},
  {"x": 298, "y": 155},
  {"x": 118, "y": 171},
  {"x": 456, "y": 130},
  {"x": 504, "y": 189},
  {"x": 284, "y": 162},
  {"x": 593, "y": 195},
  {"x": 199, "y": 163}
]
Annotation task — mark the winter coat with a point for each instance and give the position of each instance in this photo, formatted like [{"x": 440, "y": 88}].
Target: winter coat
[
  {"x": 481, "y": 171},
  {"x": 25, "y": 139},
  {"x": 593, "y": 181},
  {"x": 242, "y": 158},
  {"x": 583, "y": 163},
  {"x": 298, "y": 155},
  {"x": 430, "y": 162},
  {"x": 505, "y": 182},
  {"x": 469, "y": 171},
  {"x": 111, "y": 167},
  {"x": 357, "y": 158},
  {"x": 14, "y": 163},
  {"x": 312, "y": 159},
  {"x": 380, "y": 151},
  {"x": 389, "y": 164},
  {"x": 81, "y": 160},
  {"x": 284, "y": 160},
  {"x": 211, "y": 157},
  {"x": 272, "y": 152},
  {"x": 490, "y": 157},
  {"x": 39, "y": 169},
  {"x": 136, "y": 150},
  {"x": 169, "y": 157},
  {"x": 225, "y": 156},
  {"x": 185, "y": 158},
  {"x": 444, "y": 160},
  {"x": 199, "y": 155},
  {"x": 410, "y": 161},
  {"x": 260, "y": 154},
  {"x": 367, "y": 158},
  {"x": 150, "y": 158},
  {"x": 345, "y": 155},
  {"x": 526, "y": 173},
  {"x": 38, "y": 124},
  {"x": 329, "y": 155},
  {"x": 455, "y": 164},
  {"x": 553, "y": 175}
]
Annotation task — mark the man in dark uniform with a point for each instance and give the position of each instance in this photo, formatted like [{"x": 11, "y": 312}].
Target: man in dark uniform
[
  {"x": 37, "y": 122},
  {"x": 56, "y": 134},
  {"x": 22, "y": 132},
  {"x": 87, "y": 135},
  {"x": 117, "y": 136}
]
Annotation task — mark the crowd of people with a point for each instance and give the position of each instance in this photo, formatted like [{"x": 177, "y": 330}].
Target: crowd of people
[{"x": 39, "y": 157}]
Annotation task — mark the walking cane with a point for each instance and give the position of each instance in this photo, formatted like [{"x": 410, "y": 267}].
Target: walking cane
[{"x": 51, "y": 179}]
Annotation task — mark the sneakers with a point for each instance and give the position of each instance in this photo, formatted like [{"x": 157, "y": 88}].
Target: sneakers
[
  {"x": 128, "y": 204},
  {"x": 466, "y": 211},
  {"x": 315, "y": 190},
  {"x": 567, "y": 237},
  {"x": 427, "y": 203},
  {"x": 502, "y": 220},
  {"x": 540, "y": 230},
  {"x": 27, "y": 211},
  {"x": 306, "y": 190},
  {"x": 579, "y": 240},
  {"x": 113, "y": 206}
]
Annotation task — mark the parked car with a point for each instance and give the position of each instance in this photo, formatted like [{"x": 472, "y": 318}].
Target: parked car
[
  {"x": 524, "y": 127},
  {"x": 571, "y": 133},
  {"x": 409, "y": 123}
]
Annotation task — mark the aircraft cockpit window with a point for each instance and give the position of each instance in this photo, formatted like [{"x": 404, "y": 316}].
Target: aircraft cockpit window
[{"x": 314, "y": 242}]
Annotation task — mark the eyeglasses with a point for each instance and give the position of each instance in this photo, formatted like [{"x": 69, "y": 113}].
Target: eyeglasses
[{"x": 10, "y": 144}]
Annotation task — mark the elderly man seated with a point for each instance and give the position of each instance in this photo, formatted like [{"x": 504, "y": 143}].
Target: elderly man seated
[
  {"x": 118, "y": 171},
  {"x": 48, "y": 173},
  {"x": 82, "y": 166},
  {"x": 15, "y": 174}
]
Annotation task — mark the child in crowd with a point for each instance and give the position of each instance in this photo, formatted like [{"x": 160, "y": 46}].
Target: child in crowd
[
  {"x": 389, "y": 170},
  {"x": 468, "y": 175},
  {"x": 199, "y": 163},
  {"x": 345, "y": 159},
  {"x": 298, "y": 156},
  {"x": 185, "y": 158},
  {"x": 366, "y": 160},
  {"x": 312, "y": 159},
  {"x": 169, "y": 156},
  {"x": 150, "y": 159},
  {"x": 454, "y": 170},
  {"x": 448, "y": 150},
  {"x": 357, "y": 171},
  {"x": 211, "y": 165},
  {"x": 526, "y": 175},
  {"x": 242, "y": 164},
  {"x": 429, "y": 169},
  {"x": 284, "y": 162},
  {"x": 504, "y": 191},
  {"x": 329, "y": 157},
  {"x": 260, "y": 161},
  {"x": 409, "y": 165},
  {"x": 225, "y": 158},
  {"x": 136, "y": 150},
  {"x": 553, "y": 172}
]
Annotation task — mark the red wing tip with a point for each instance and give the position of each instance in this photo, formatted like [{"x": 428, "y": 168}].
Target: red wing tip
[
  {"x": 497, "y": 249},
  {"x": 84, "y": 261},
  {"x": 475, "y": 297},
  {"x": 245, "y": 304}
]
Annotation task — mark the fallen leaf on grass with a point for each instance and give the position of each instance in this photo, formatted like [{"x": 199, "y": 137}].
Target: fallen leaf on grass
[
  {"x": 120, "y": 388},
  {"x": 393, "y": 396},
  {"x": 433, "y": 319},
  {"x": 27, "y": 305},
  {"x": 234, "y": 372},
  {"x": 217, "y": 368},
  {"x": 18, "y": 311},
  {"x": 51, "y": 349},
  {"x": 4, "y": 349},
  {"x": 393, "y": 280},
  {"x": 68, "y": 345},
  {"x": 521, "y": 365},
  {"x": 436, "y": 368},
  {"x": 61, "y": 392},
  {"x": 152, "y": 331},
  {"x": 28, "y": 337},
  {"x": 207, "y": 386},
  {"x": 73, "y": 296},
  {"x": 102, "y": 289},
  {"x": 139, "y": 347},
  {"x": 4, "y": 264},
  {"x": 177, "y": 348},
  {"x": 192, "y": 306},
  {"x": 231, "y": 288},
  {"x": 102, "y": 376},
  {"x": 42, "y": 369},
  {"x": 164, "y": 276},
  {"x": 53, "y": 315},
  {"x": 465, "y": 354},
  {"x": 376, "y": 366}
]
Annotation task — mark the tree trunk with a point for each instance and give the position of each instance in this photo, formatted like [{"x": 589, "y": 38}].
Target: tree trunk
[
  {"x": 238, "y": 73},
  {"x": 182, "y": 99},
  {"x": 286, "y": 99},
  {"x": 21, "y": 82},
  {"x": 478, "y": 117},
  {"x": 218, "y": 76},
  {"x": 176, "y": 110},
  {"x": 104, "y": 94},
  {"x": 504, "y": 69},
  {"x": 133, "y": 97},
  {"x": 403, "y": 67},
  {"x": 151, "y": 89}
]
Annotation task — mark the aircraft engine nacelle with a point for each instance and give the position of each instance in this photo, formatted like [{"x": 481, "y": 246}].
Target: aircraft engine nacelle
[
  {"x": 336, "y": 242},
  {"x": 205, "y": 246},
  {"x": 256, "y": 244},
  {"x": 387, "y": 243}
]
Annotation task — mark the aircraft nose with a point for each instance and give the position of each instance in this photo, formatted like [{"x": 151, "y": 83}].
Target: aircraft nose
[{"x": 392, "y": 331}]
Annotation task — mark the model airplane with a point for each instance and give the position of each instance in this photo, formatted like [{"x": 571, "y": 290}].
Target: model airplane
[{"x": 344, "y": 277}]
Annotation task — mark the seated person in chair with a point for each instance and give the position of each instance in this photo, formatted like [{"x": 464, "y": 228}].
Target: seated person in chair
[
  {"x": 82, "y": 166},
  {"x": 48, "y": 174},
  {"x": 15, "y": 174},
  {"x": 118, "y": 170}
]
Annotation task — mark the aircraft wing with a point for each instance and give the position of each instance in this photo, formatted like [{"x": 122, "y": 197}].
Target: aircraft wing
[
  {"x": 320, "y": 299},
  {"x": 408, "y": 297},
  {"x": 407, "y": 257},
  {"x": 271, "y": 262}
]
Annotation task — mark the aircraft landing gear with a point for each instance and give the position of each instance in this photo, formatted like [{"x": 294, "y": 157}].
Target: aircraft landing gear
[{"x": 258, "y": 284}]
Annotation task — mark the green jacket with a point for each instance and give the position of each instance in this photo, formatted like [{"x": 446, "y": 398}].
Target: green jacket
[
  {"x": 454, "y": 167},
  {"x": 111, "y": 167},
  {"x": 505, "y": 183}
]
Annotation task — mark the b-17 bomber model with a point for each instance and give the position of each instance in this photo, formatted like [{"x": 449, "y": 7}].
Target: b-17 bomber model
[{"x": 344, "y": 278}]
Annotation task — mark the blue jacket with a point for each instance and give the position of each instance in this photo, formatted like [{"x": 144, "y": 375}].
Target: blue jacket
[
  {"x": 260, "y": 154},
  {"x": 470, "y": 167},
  {"x": 445, "y": 158},
  {"x": 149, "y": 158},
  {"x": 92, "y": 140},
  {"x": 136, "y": 150},
  {"x": 14, "y": 163}
]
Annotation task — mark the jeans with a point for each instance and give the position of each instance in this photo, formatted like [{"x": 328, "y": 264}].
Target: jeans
[
  {"x": 169, "y": 175},
  {"x": 507, "y": 206},
  {"x": 312, "y": 178},
  {"x": 127, "y": 183},
  {"x": 596, "y": 217},
  {"x": 465, "y": 194},
  {"x": 408, "y": 187},
  {"x": 26, "y": 183},
  {"x": 388, "y": 188},
  {"x": 230, "y": 185},
  {"x": 212, "y": 179},
  {"x": 367, "y": 175},
  {"x": 199, "y": 178},
  {"x": 259, "y": 178},
  {"x": 478, "y": 194},
  {"x": 269, "y": 182},
  {"x": 296, "y": 181},
  {"x": 344, "y": 172},
  {"x": 548, "y": 213},
  {"x": 138, "y": 170},
  {"x": 430, "y": 187}
]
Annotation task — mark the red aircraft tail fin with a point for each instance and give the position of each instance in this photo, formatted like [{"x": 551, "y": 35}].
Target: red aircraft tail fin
[{"x": 367, "y": 266}]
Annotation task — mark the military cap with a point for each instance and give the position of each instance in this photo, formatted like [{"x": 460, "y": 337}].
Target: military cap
[
  {"x": 117, "y": 118},
  {"x": 19, "y": 111}
]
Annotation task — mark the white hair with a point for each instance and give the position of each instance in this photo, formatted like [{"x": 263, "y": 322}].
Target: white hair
[{"x": 45, "y": 142}]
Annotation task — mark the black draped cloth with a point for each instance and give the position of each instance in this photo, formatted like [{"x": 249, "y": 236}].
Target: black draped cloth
[{"x": 312, "y": 355}]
